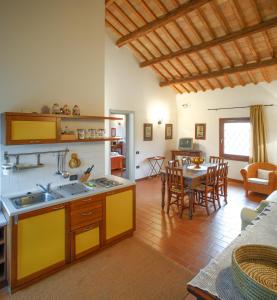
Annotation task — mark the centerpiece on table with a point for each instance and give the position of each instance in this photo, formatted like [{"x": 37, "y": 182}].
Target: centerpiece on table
[{"x": 197, "y": 161}]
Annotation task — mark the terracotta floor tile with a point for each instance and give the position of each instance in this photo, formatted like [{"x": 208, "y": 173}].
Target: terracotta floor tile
[{"x": 192, "y": 243}]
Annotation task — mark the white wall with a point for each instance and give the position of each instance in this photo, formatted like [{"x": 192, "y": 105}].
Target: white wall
[
  {"x": 197, "y": 112},
  {"x": 130, "y": 88},
  {"x": 52, "y": 51}
]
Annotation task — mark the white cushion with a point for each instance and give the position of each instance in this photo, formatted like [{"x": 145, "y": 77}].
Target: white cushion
[
  {"x": 263, "y": 174},
  {"x": 258, "y": 181}
]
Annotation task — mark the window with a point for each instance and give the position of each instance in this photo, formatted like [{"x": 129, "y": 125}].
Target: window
[{"x": 234, "y": 138}]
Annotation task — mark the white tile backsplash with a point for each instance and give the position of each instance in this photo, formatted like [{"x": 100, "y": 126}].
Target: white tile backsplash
[{"x": 26, "y": 180}]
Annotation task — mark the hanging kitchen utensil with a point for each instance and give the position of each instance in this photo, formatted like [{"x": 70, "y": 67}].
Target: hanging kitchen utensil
[
  {"x": 58, "y": 172},
  {"x": 65, "y": 173},
  {"x": 74, "y": 161}
]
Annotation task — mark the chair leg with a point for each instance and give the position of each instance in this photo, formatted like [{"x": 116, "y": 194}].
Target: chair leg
[
  {"x": 213, "y": 199},
  {"x": 225, "y": 192},
  {"x": 168, "y": 202},
  {"x": 182, "y": 204},
  {"x": 206, "y": 204},
  {"x": 217, "y": 197}
]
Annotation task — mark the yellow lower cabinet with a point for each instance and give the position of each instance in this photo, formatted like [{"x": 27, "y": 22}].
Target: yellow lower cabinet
[
  {"x": 41, "y": 240},
  {"x": 85, "y": 240},
  {"x": 119, "y": 213}
]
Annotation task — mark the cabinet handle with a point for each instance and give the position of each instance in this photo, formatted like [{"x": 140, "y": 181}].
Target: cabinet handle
[{"x": 87, "y": 213}]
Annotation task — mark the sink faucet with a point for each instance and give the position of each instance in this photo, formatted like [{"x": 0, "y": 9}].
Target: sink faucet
[{"x": 46, "y": 189}]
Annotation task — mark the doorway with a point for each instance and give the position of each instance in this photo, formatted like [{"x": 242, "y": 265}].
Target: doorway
[{"x": 122, "y": 162}]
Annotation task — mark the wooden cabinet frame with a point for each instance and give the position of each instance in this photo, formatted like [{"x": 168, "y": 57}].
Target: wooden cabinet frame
[
  {"x": 81, "y": 230},
  {"x": 70, "y": 236},
  {"x": 9, "y": 116},
  {"x": 18, "y": 284},
  {"x": 126, "y": 233}
]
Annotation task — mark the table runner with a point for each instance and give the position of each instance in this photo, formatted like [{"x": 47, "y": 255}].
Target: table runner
[{"x": 216, "y": 277}]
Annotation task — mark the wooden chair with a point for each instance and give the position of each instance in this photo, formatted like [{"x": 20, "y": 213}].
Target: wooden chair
[
  {"x": 176, "y": 189},
  {"x": 222, "y": 181},
  {"x": 216, "y": 160},
  {"x": 205, "y": 193},
  {"x": 186, "y": 160},
  {"x": 173, "y": 163}
]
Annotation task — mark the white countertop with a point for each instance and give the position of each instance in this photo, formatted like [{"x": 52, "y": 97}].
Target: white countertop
[
  {"x": 3, "y": 220},
  {"x": 12, "y": 211}
]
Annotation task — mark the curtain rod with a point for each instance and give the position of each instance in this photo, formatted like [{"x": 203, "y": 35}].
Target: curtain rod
[{"x": 235, "y": 107}]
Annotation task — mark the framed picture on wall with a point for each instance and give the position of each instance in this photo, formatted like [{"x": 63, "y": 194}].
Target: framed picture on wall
[
  {"x": 147, "y": 132},
  {"x": 168, "y": 131},
  {"x": 200, "y": 131},
  {"x": 113, "y": 132}
]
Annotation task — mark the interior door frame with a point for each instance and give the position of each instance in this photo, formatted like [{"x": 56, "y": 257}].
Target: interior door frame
[{"x": 130, "y": 141}]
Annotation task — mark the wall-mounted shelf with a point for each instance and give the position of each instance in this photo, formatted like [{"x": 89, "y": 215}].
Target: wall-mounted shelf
[
  {"x": 88, "y": 117},
  {"x": 104, "y": 139},
  {"x": 34, "y": 128},
  {"x": 60, "y": 116}
]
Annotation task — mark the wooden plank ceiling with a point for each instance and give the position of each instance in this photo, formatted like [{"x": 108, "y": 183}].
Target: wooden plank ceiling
[{"x": 199, "y": 45}]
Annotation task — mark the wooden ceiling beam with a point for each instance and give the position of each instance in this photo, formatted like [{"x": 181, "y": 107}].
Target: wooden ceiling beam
[
  {"x": 218, "y": 41},
  {"x": 265, "y": 34},
  {"x": 178, "y": 90},
  {"x": 161, "y": 21},
  {"x": 192, "y": 87},
  {"x": 240, "y": 16},
  {"x": 159, "y": 72},
  {"x": 133, "y": 47},
  {"x": 241, "y": 81},
  {"x": 187, "y": 90},
  {"x": 266, "y": 75},
  {"x": 233, "y": 70},
  {"x": 109, "y": 3},
  {"x": 113, "y": 28},
  {"x": 228, "y": 80}
]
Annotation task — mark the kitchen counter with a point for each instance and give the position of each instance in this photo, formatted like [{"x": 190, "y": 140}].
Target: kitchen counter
[
  {"x": 12, "y": 211},
  {"x": 3, "y": 220}
]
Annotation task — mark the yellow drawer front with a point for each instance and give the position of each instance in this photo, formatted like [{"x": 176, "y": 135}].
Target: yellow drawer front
[
  {"x": 33, "y": 130},
  {"x": 87, "y": 240},
  {"x": 119, "y": 213},
  {"x": 41, "y": 242}
]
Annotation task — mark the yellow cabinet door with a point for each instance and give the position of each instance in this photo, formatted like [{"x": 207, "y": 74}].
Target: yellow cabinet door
[
  {"x": 119, "y": 213},
  {"x": 41, "y": 241},
  {"x": 31, "y": 130},
  {"x": 85, "y": 240}
]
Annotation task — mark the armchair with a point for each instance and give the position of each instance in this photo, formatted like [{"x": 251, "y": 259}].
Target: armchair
[{"x": 255, "y": 183}]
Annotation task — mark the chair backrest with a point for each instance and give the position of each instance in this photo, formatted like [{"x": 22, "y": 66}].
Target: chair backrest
[
  {"x": 222, "y": 171},
  {"x": 216, "y": 160},
  {"x": 175, "y": 180},
  {"x": 211, "y": 177},
  {"x": 173, "y": 163},
  {"x": 186, "y": 160}
]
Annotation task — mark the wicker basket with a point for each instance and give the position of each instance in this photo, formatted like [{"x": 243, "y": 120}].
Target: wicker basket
[{"x": 254, "y": 269}]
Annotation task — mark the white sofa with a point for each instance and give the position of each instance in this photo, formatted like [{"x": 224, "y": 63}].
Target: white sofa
[{"x": 248, "y": 215}]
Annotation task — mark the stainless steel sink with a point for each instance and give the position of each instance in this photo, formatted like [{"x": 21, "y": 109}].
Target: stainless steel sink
[{"x": 34, "y": 198}]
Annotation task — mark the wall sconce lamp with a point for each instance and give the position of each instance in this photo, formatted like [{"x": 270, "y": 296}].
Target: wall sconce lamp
[
  {"x": 186, "y": 105},
  {"x": 160, "y": 121}
]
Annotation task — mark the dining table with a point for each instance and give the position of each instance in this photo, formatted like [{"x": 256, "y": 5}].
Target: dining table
[{"x": 193, "y": 176}]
